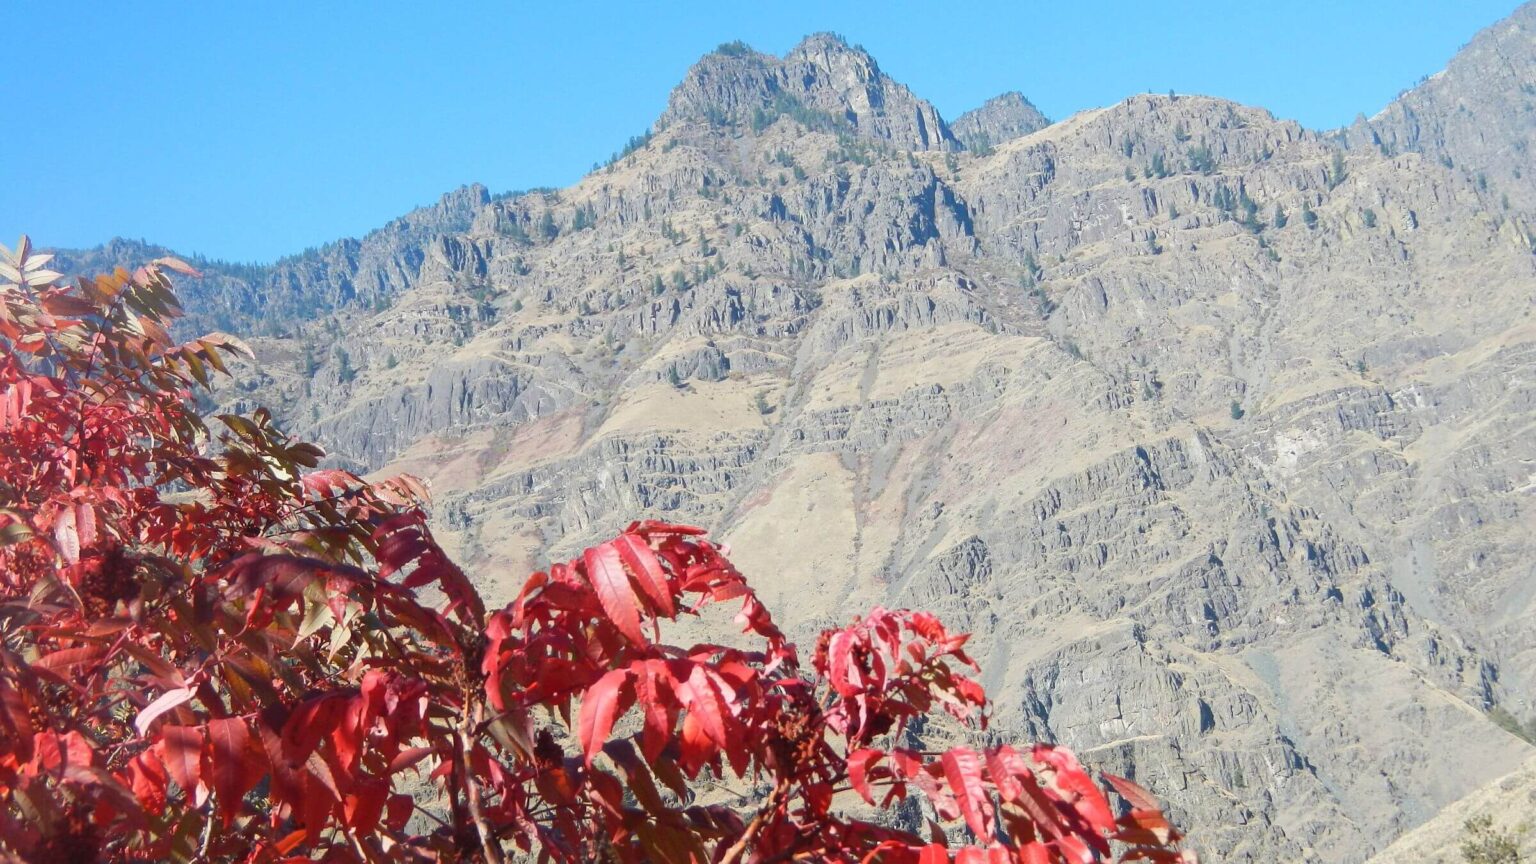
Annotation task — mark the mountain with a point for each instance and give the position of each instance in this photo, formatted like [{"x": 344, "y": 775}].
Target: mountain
[{"x": 1216, "y": 430}]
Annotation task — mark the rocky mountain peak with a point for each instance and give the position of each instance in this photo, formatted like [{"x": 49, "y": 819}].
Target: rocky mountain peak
[
  {"x": 831, "y": 51},
  {"x": 1001, "y": 118},
  {"x": 1477, "y": 116},
  {"x": 823, "y": 82}
]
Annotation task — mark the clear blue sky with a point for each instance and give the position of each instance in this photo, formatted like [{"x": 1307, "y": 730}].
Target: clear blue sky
[{"x": 248, "y": 130}]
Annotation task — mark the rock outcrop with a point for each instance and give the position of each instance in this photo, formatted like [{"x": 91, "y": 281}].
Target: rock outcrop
[
  {"x": 823, "y": 81},
  {"x": 999, "y": 120}
]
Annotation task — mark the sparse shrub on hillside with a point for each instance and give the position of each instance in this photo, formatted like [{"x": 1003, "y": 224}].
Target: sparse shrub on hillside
[
  {"x": 1200, "y": 159},
  {"x": 1369, "y": 218},
  {"x": 1511, "y": 724},
  {"x": 786, "y": 105},
  {"x": 635, "y": 143},
  {"x": 1237, "y": 410},
  {"x": 221, "y": 654},
  {"x": 1337, "y": 172},
  {"x": 1481, "y": 843},
  {"x": 1308, "y": 216},
  {"x": 344, "y": 371},
  {"x": 1250, "y": 210},
  {"x": 1223, "y": 199},
  {"x": 1279, "y": 220},
  {"x": 735, "y": 48}
]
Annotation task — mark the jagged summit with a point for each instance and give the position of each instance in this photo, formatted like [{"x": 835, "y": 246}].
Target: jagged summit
[
  {"x": 1001, "y": 118},
  {"x": 823, "y": 80}
]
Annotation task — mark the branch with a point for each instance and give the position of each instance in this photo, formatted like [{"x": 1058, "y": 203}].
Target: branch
[
  {"x": 488, "y": 842},
  {"x": 775, "y": 800}
]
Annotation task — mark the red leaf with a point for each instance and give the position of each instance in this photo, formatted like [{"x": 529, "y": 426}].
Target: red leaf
[
  {"x": 606, "y": 573},
  {"x": 406, "y": 758},
  {"x": 933, "y": 853},
  {"x": 962, "y": 768},
  {"x": 236, "y": 765},
  {"x": 85, "y": 524},
  {"x": 656, "y": 689},
  {"x": 601, "y": 705},
  {"x": 708, "y": 706},
  {"x": 1086, "y": 798},
  {"x": 642, "y": 562},
  {"x": 363, "y": 808},
  {"x": 146, "y": 776},
  {"x": 697, "y": 749},
  {"x": 1138, "y": 797},
  {"x": 1073, "y": 848},
  {"x": 1006, "y": 766},
  {"x": 311, "y": 721},
  {"x": 858, "y": 771},
  {"x": 1034, "y": 852},
  {"x": 181, "y": 749}
]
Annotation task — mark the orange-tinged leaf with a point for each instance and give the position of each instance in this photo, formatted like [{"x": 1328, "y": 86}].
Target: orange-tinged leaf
[
  {"x": 178, "y": 265},
  {"x": 1138, "y": 797}
]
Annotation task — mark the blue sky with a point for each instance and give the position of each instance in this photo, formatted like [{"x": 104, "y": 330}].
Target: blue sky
[{"x": 250, "y": 130}]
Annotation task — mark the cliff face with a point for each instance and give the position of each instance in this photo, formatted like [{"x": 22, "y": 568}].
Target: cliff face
[{"x": 1216, "y": 432}]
